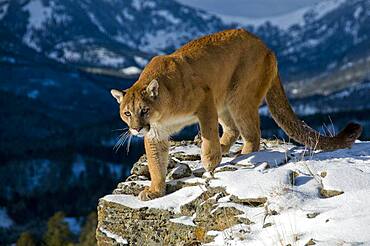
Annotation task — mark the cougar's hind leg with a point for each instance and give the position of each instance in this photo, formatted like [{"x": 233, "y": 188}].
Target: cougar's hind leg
[{"x": 230, "y": 131}]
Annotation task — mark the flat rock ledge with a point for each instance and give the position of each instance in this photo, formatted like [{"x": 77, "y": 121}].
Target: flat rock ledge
[{"x": 244, "y": 197}]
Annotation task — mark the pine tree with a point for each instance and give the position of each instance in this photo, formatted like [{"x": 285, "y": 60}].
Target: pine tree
[
  {"x": 26, "y": 239},
  {"x": 58, "y": 233},
  {"x": 87, "y": 236}
]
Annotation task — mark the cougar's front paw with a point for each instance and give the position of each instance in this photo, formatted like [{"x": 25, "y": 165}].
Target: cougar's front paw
[
  {"x": 147, "y": 194},
  {"x": 211, "y": 159}
]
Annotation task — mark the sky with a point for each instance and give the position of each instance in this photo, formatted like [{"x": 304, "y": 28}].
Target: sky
[{"x": 249, "y": 8}]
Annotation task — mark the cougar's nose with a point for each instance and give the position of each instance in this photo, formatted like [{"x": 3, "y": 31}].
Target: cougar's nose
[{"x": 137, "y": 129}]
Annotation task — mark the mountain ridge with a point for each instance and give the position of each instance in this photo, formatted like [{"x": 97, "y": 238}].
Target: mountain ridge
[{"x": 128, "y": 33}]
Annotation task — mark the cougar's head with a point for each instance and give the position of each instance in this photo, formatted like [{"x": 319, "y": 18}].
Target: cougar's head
[{"x": 138, "y": 107}]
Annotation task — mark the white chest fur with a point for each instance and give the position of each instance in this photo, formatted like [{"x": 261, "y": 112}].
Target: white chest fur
[{"x": 162, "y": 130}]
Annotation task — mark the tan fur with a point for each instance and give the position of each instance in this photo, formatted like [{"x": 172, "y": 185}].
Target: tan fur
[{"x": 220, "y": 78}]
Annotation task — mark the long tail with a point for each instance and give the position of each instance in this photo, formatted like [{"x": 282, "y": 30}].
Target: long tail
[{"x": 298, "y": 130}]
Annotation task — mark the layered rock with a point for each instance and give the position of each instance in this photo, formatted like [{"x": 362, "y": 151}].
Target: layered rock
[
  {"x": 185, "y": 215},
  {"x": 246, "y": 197}
]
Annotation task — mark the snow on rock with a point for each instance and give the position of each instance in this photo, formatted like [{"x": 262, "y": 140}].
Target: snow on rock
[
  {"x": 264, "y": 183},
  {"x": 186, "y": 149},
  {"x": 172, "y": 201},
  {"x": 272, "y": 158},
  {"x": 113, "y": 236},
  {"x": 351, "y": 179},
  {"x": 280, "y": 195},
  {"x": 186, "y": 220}
]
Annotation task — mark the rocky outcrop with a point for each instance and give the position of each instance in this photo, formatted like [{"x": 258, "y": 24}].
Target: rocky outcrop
[
  {"x": 192, "y": 207},
  {"x": 244, "y": 198}
]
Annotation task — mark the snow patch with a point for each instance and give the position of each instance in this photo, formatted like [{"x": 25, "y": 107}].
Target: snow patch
[
  {"x": 74, "y": 225},
  {"x": 49, "y": 82},
  {"x": 186, "y": 220},
  {"x": 117, "y": 238},
  {"x": 38, "y": 13},
  {"x": 171, "y": 202},
  {"x": 3, "y": 9},
  {"x": 140, "y": 61},
  {"x": 351, "y": 179},
  {"x": 105, "y": 57},
  {"x": 136, "y": 4},
  {"x": 131, "y": 70},
  {"x": 358, "y": 12},
  {"x": 168, "y": 16},
  {"x": 127, "y": 16},
  {"x": 5, "y": 220},
  {"x": 285, "y": 21},
  {"x": 272, "y": 158},
  {"x": 78, "y": 166},
  {"x": 71, "y": 55},
  {"x": 160, "y": 40},
  {"x": 264, "y": 183},
  {"x": 96, "y": 22},
  {"x": 36, "y": 172},
  {"x": 342, "y": 218},
  {"x": 33, "y": 94},
  {"x": 190, "y": 149}
]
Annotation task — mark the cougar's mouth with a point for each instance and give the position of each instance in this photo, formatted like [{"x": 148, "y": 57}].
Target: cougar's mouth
[{"x": 140, "y": 132}]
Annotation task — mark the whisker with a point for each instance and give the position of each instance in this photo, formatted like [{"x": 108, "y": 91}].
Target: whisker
[
  {"x": 120, "y": 129},
  {"x": 128, "y": 144},
  {"x": 123, "y": 140},
  {"x": 120, "y": 141}
]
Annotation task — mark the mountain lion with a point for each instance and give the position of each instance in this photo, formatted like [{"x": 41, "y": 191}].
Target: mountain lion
[{"x": 220, "y": 78}]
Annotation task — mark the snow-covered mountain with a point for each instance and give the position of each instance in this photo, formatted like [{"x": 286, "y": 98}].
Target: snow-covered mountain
[
  {"x": 104, "y": 33},
  {"x": 284, "y": 21},
  {"x": 318, "y": 39},
  {"x": 119, "y": 33}
]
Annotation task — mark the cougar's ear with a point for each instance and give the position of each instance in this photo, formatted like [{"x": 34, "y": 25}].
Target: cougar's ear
[
  {"x": 117, "y": 94},
  {"x": 153, "y": 88}
]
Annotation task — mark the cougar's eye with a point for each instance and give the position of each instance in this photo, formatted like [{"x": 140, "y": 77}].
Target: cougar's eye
[
  {"x": 128, "y": 114},
  {"x": 144, "y": 111}
]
